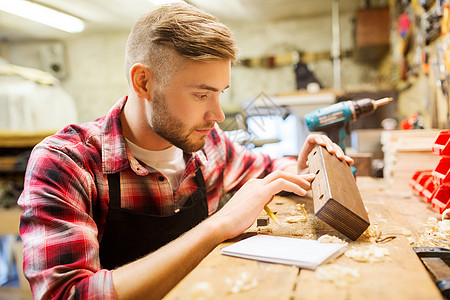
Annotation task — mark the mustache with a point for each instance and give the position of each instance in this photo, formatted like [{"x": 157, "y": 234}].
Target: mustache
[{"x": 205, "y": 126}]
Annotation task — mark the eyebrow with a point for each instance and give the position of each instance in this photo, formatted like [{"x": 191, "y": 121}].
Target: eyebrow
[{"x": 209, "y": 88}]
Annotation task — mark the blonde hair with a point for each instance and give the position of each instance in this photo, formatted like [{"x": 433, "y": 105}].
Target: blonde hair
[{"x": 164, "y": 37}]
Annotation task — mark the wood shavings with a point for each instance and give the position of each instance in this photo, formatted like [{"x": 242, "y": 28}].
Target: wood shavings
[
  {"x": 339, "y": 275},
  {"x": 264, "y": 229},
  {"x": 301, "y": 207},
  {"x": 371, "y": 232},
  {"x": 201, "y": 291},
  {"x": 330, "y": 239},
  {"x": 435, "y": 234},
  {"x": 244, "y": 283},
  {"x": 368, "y": 254},
  {"x": 296, "y": 219},
  {"x": 298, "y": 215}
]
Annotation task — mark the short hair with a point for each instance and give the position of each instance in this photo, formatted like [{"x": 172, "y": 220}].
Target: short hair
[{"x": 162, "y": 38}]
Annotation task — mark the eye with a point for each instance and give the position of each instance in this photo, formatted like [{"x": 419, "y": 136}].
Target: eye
[{"x": 201, "y": 96}]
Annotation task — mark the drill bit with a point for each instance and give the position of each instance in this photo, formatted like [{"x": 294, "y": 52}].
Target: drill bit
[{"x": 382, "y": 101}]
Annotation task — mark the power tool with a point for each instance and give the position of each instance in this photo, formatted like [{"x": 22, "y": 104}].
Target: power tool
[{"x": 334, "y": 120}]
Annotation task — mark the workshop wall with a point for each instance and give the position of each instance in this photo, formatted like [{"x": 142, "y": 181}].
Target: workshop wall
[
  {"x": 420, "y": 47},
  {"x": 310, "y": 35},
  {"x": 95, "y": 76}
]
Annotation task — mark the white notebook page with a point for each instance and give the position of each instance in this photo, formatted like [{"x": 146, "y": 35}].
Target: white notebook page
[{"x": 285, "y": 250}]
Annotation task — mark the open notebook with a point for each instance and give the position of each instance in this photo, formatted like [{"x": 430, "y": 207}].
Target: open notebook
[{"x": 308, "y": 254}]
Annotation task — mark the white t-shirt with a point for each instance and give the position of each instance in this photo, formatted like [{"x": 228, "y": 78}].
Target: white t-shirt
[{"x": 169, "y": 162}]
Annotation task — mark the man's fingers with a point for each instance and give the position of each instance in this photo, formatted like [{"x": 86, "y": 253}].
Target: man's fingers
[
  {"x": 332, "y": 147},
  {"x": 281, "y": 184},
  {"x": 301, "y": 180}
]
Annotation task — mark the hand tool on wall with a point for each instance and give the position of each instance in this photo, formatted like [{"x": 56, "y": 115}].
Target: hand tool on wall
[{"x": 335, "y": 119}]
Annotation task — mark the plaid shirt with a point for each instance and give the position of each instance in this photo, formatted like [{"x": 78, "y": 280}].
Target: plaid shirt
[{"x": 65, "y": 199}]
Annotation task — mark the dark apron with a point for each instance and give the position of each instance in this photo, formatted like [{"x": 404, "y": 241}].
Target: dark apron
[{"x": 130, "y": 235}]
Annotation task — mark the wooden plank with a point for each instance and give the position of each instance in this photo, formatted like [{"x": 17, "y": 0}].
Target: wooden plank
[
  {"x": 274, "y": 281},
  {"x": 401, "y": 277},
  {"x": 218, "y": 274},
  {"x": 337, "y": 200}
]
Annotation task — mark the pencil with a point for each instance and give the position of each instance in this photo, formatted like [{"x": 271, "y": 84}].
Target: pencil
[{"x": 271, "y": 215}]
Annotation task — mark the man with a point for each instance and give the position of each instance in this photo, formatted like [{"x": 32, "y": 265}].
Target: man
[{"x": 126, "y": 206}]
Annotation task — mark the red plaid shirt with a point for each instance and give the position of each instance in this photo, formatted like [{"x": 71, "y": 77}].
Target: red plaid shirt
[{"x": 65, "y": 199}]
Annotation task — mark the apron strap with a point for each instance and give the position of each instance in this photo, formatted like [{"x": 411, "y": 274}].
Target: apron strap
[
  {"x": 114, "y": 187},
  {"x": 114, "y": 190}
]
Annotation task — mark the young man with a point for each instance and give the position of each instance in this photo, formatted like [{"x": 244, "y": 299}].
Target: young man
[{"x": 126, "y": 206}]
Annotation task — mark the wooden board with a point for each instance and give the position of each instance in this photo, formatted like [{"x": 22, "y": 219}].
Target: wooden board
[
  {"x": 337, "y": 200},
  {"x": 402, "y": 276},
  {"x": 218, "y": 275}
]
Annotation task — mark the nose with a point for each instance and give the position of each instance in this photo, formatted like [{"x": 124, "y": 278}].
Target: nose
[{"x": 215, "y": 112}]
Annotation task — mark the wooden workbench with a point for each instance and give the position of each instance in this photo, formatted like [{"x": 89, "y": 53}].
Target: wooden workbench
[{"x": 394, "y": 210}]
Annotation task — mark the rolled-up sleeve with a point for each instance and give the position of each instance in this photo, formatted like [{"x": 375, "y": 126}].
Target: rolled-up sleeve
[{"x": 237, "y": 163}]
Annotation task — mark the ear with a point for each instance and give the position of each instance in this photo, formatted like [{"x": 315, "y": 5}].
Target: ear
[{"x": 142, "y": 80}]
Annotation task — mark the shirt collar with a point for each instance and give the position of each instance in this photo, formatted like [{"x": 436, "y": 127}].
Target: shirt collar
[{"x": 114, "y": 150}]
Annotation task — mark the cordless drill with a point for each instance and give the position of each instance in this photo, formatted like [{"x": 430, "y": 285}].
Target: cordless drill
[{"x": 334, "y": 120}]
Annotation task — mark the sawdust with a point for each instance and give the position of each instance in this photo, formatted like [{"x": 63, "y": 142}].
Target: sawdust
[
  {"x": 264, "y": 229},
  {"x": 434, "y": 234},
  {"x": 296, "y": 219},
  {"x": 243, "y": 283},
  {"x": 371, "y": 232},
  {"x": 369, "y": 253},
  {"x": 301, "y": 208},
  {"x": 202, "y": 290},
  {"x": 298, "y": 215},
  {"x": 330, "y": 239},
  {"x": 337, "y": 274}
]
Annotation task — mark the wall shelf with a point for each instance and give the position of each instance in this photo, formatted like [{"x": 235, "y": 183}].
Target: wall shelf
[{"x": 19, "y": 139}]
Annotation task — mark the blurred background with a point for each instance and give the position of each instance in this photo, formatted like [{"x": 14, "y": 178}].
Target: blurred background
[{"x": 296, "y": 56}]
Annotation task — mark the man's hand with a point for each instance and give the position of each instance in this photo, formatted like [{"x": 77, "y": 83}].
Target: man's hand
[
  {"x": 244, "y": 207},
  {"x": 317, "y": 139}
]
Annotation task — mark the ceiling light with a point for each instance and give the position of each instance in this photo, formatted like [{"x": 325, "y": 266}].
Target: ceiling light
[
  {"x": 42, "y": 14},
  {"x": 165, "y": 2}
]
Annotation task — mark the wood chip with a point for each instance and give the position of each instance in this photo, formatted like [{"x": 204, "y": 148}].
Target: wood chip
[
  {"x": 243, "y": 283},
  {"x": 337, "y": 274},
  {"x": 368, "y": 254},
  {"x": 330, "y": 239}
]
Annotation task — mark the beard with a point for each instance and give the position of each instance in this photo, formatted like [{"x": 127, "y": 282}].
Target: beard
[{"x": 174, "y": 130}]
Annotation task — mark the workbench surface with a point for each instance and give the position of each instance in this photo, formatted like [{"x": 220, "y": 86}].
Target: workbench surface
[{"x": 400, "y": 275}]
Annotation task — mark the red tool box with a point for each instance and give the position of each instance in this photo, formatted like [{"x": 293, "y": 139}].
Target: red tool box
[{"x": 434, "y": 185}]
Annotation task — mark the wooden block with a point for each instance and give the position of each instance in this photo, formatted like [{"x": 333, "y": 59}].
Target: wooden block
[
  {"x": 336, "y": 197},
  {"x": 262, "y": 221}
]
